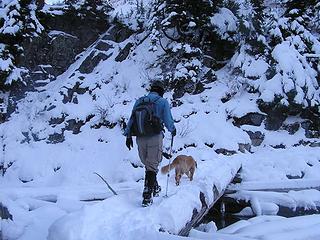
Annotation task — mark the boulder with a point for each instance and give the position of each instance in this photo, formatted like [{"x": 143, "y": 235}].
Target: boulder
[
  {"x": 251, "y": 118},
  {"x": 4, "y": 213},
  {"x": 274, "y": 121},
  {"x": 103, "y": 46},
  {"x": 123, "y": 54},
  {"x": 118, "y": 33},
  {"x": 74, "y": 126},
  {"x": 225, "y": 151},
  {"x": 57, "y": 49},
  {"x": 291, "y": 128},
  {"x": 92, "y": 61},
  {"x": 56, "y": 138},
  {"x": 256, "y": 137},
  {"x": 243, "y": 147}
]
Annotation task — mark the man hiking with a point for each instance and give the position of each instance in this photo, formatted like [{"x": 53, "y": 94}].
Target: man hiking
[{"x": 148, "y": 116}]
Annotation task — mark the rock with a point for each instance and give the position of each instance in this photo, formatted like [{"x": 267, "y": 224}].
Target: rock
[
  {"x": 315, "y": 144},
  {"x": 56, "y": 138},
  {"x": 71, "y": 93},
  {"x": 92, "y": 61},
  {"x": 123, "y": 54},
  {"x": 276, "y": 113},
  {"x": 85, "y": 25},
  {"x": 58, "y": 50},
  {"x": 274, "y": 121},
  {"x": 256, "y": 137},
  {"x": 279, "y": 146},
  {"x": 210, "y": 77},
  {"x": 312, "y": 133},
  {"x": 4, "y": 213},
  {"x": 103, "y": 46},
  {"x": 243, "y": 147},
  {"x": 106, "y": 124},
  {"x": 296, "y": 176},
  {"x": 199, "y": 88},
  {"x": 3, "y": 117},
  {"x": 301, "y": 142},
  {"x": 42, "y": 72},
  {"x": 57, "y": 120},
  {"x": 225, "y": 151},
  {"x": 51, "y": 107},
  {"x": 208, "y": 61},
  {"x": 74, "y": 126},
  {"x": 210, "y": 145},
  {"x": 311, "y": 129},
  {"x": 118, "y": 33},
  {"x": 251, "y": 118},
  {"x": 291, "y": 128},
  {"x": 226, "y": 98},
  {"x": 183, "y": 86},
  {"x": 305, "y": 125}
]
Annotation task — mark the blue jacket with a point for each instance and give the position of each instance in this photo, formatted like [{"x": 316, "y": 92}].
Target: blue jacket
[{"x": 162, "y": 110}]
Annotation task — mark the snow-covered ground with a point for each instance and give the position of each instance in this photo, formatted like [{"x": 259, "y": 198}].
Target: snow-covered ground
[
  {"x": 51, "y": 189},
  {"x": 267, "y": 227}
]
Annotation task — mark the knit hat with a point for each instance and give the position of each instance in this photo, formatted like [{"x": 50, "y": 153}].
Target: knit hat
[{"x": 158, "y": 87}]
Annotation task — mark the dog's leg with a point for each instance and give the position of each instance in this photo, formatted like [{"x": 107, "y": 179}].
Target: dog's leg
[
  {"x": 178, "y": 176},
  {"x": 191, "y": 172}
]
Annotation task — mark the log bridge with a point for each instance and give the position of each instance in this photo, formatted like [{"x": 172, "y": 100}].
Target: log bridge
[
  {"x": 226, "y": 202},
  {"x": 198, "y": 217}
]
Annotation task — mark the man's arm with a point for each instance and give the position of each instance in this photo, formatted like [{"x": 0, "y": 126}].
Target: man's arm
[
  {"x": 128, "y": 127},
  {"x": 168, "y": 120},
  {"x": 127, "y": 131}
]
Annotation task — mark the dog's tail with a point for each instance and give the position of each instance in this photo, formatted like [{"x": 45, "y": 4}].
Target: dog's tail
[{"x": 168, "y": 168}]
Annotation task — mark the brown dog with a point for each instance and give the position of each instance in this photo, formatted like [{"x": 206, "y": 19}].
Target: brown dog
[{"x": 183, "y": 165}]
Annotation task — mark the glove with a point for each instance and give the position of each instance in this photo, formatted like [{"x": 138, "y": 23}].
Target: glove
[
  {"x": 166, "y": 155},
  {"x": 129, "y": 143},
  {"x": 174, "y": 132}
]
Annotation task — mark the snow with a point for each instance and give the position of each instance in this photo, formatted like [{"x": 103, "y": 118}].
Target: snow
[
  {"x": 127, "y": 220},
  {"x": 268, "y": 227},
  {"x": 225, "y": 21},
  {"x": 47, "y": 187},
  {"x": 5, "y": 64}
]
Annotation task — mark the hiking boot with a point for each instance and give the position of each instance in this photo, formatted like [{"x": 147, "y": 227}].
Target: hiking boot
[
  {"x": 149, "y": 185},
  {"x": 147, "y": 197},
  {"x": 156, "y": 190}
]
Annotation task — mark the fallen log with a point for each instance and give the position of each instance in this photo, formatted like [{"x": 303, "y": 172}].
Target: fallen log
[{"x": 198, "y": 216}]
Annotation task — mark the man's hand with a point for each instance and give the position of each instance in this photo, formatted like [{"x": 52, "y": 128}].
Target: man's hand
[
  {"x": 174, "y": 132},
  {"x": 166, "y": 155},
  {"x": 129, "y": 143}
]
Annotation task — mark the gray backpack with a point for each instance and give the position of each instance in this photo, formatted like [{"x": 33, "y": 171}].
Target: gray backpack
[{"x": 145, "y": 122}]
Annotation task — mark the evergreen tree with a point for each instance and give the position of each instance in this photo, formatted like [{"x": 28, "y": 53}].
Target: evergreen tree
[
  {"x": 277, "y": 57},
  {"x": 290, "y": 34},
  {"x": 18, "y": 22},
  {"x": 186, "y": 32}
]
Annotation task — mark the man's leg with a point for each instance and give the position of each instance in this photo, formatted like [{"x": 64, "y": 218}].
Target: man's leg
[
  {"x": 150, "y": 152},
  {"x": 154, "y": 158},
  {"x": 149, "y": 178}
]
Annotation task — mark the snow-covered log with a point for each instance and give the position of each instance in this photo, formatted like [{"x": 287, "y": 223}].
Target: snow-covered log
[{"x": 198, "y": 216}]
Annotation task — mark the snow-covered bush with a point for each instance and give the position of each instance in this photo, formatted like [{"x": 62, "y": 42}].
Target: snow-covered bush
[
  {"x": 194, "y": 38},
  {"x": 274, "y": 58}
]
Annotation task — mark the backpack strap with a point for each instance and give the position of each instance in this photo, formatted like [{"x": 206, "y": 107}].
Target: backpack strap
[
  {"x": 146, "y": 97},
  {"x": 157, "y": 99}
]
